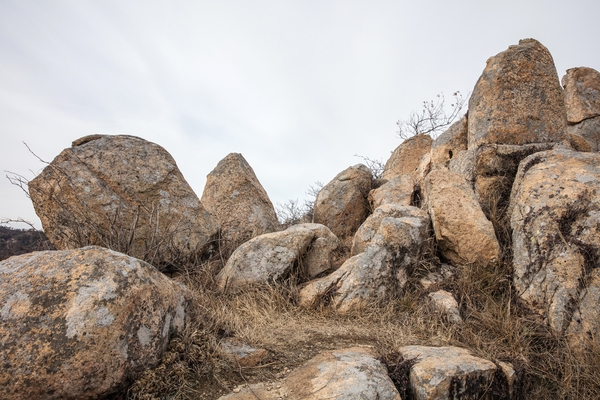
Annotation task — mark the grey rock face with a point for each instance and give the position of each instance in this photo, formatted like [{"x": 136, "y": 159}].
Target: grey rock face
[{"x": 555, "y": 217}]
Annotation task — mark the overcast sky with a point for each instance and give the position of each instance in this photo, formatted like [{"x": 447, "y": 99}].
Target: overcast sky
[{"x": 297, "y": 87}]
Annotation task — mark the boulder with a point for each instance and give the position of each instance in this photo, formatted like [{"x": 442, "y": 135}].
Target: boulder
[
  {"x": 446, "y": 146},
  {"x": 369, "y": 229},
  {"x": 444, "y": 373},
  {"x": 463, "y": 233},
  {"x": 555, "y": 218},
  {"x": 342, "y": 204},
  {"x": 378, "y": 272},
  {"x": 518, "y": 99},
  {"x": 274, "y": 256},
  {"x": 582, "y": 94},
  {"x": 238, "y": 201},
  {"x": 398, "y": 190},
  {"x": 406, "y": 158},
  {"x": 346, "y": 374},
  {"x": 446, "y": 303},
  {"x": 82, "y": 323},
  {"x": 126, "y": 194}
]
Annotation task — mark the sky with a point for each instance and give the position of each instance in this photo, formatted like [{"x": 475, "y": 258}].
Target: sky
[{"x": 298, "y": 87}]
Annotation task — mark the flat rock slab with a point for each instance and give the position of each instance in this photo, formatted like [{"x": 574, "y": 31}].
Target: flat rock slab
[
  {"x": 79, "y": 324},
  {"x": 442, "y": 373},
  {"x": 347, "y": 374}
]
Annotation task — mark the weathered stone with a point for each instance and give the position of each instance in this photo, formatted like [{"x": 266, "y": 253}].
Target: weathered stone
[
  {"x": 555, "y": 217},
  {"x": 518, "y": 99},
  {"x": 577, "y": 142},
  {"x": 342, "y": 204},
  {"x": 444, "y": 373},
  {"x": 238, "y": 201},
  {"x": 367, "y": 231},
  {"x": 241, "y": 354},
  {"x": 449, "y": 144},
  {"x": 346, "y": 374},
  {"x": 446, "y": 303},
  {"x": 398, "y": 190},
  {"x": 589, "y": 129},
  {"x": 373, "y": 275},
  {"x": 270, "y": 257},
  {"x": 582, "y": 94},
  {"x": 82, "y": 323},
  {"x": 124, "y": 193},
  {"x": 406, "y": 158},
  {"x": 463, "y": 233}
]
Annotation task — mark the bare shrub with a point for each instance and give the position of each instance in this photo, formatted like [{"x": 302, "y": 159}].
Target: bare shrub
[{"x": 433, "y": 118}]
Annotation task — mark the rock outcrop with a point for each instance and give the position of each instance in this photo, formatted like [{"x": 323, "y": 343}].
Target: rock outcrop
[
  {"x": 82, "y": 323},
  {"x": 463, "y": 233},
  {"x": 342, "y": 204},
  {"x": 518, "y": 99},
  {"x": 270, "y": 257},
  {"x": 346, "y": 374},
  {"x": 582, "y": 98},
  {"x": 449, "y": 373},
  {"x": 126, "y": 194},
  {"x": 555, "y": 218},
  {"x": 235, "y": 197},
  {"x": 406, "y": 158},
  {"x": 373, "y": 275}
]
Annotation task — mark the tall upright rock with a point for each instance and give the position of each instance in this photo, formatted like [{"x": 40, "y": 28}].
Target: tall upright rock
[
  {"x": 236, "y": 198},
  {"x": 518, "y": 98},
  {"x": 124, "y": 193}
]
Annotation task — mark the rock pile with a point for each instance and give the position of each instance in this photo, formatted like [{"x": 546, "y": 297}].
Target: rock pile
[{"x": 513, "y": 182}]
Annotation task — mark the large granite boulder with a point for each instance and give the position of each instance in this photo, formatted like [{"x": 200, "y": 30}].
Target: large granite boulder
[
  {"x": 582, "y": 98},
  {"x": 342, "y": 204},
  {"x": 304, "y": 249},
  {"x": 463, "y": 233},
  {"x": 81, "y": 324},
  {"x": 235, "y": 197},
  {"x": 555, "y": 219},
  {"x": 124, "y": 193},
  {"x": 346, "y": 374},
  {"x": 406, "y": 158},
  {"x": 518, "y": 99},
  {"x": 377, "y": 273}
]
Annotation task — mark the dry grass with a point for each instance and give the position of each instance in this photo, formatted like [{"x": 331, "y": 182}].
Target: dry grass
[{"x": 495, "y": 328}]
